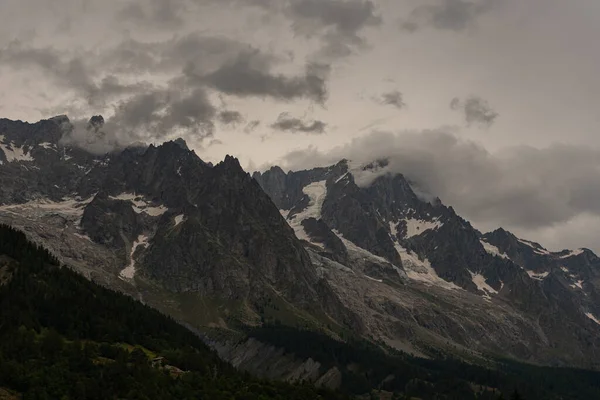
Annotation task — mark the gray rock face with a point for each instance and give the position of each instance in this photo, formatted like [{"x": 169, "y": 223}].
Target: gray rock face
[{"x": 272, "y": 363}]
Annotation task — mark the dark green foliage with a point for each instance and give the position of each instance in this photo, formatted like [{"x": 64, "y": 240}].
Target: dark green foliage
[
  {"x": 516, "y": 396},
  {"x": 63, "y": 337},
  {"x": 441, "y": 378}
]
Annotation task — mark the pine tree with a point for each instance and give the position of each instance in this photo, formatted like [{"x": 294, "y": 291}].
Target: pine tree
[{"x": 516, "y": 395}]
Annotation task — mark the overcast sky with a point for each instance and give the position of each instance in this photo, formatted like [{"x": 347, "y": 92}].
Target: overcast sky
[{"x": 493, "y": 105}]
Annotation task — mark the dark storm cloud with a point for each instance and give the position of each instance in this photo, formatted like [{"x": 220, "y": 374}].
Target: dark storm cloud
[
  {"x": 247, "y": 76},
  {"x": 230, "y": 117},
  {"x": 454, "y": 15},
  {"x": 193, "y": 64},
  {"x": 251, "y": 126},
  {"x": 287, "y": 123},
  {"x": 205, "y": 52},
  {"x": 339, "y": 23},
  {"x": 476, "y": 110},
  {"x": 346, "y": 17},
  {"x": 69, "y": 72},
  {"x": 520, "y": 187},
  {"x": 394, "y": 98},
  {"x": 226, "y": 65},
  {"x": 150, "y": 116}
]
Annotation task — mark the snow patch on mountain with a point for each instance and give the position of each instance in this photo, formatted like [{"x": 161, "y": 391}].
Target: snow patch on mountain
[
  {"x": 415, "y": 227},
  {"x": 358, "y": 253},
  {"x": 540, "y": 276},
  {"x": 140, "y": 205},
  {"x": 129, "y": 271},
  {"x": 12, "y": 152},
  {"x": 373, "y": 279},
  {"x": 536, "y": 249},
  {"x": 578, "y": 284},
  {"x": 480, "y": 281},
  {"x": 573, "y": 253},
  {"x": 421, "y": 270},
  {"x": 179, "y": 219},
  {"x": 592, "y": 317},
  {"x": 341, "y": 177},
  {"x": 493, "y": 250},
  {"x": 47, "y": 145},
  {"x": 316, "y": 192},
  {"x": 70, "y": 207}
]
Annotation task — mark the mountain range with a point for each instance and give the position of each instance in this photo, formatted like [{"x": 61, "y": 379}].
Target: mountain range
[{"x": 349, "y": 251}]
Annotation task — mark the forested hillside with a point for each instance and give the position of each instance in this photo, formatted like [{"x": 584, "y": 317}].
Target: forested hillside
[{"x": 63, "y": 337}]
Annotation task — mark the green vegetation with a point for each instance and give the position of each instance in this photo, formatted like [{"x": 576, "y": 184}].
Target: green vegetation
[{"x": 63, "y": 337}]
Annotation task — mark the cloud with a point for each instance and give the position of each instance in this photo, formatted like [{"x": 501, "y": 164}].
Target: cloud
[
  {"x": 249, "y": 75},
  {"x": 160, "y": 112},
  {"x": 69, "y": 72},
  {"x": 148, "y": 117},
  {"x": 189, "y": 66},
  {"x": 522, "y": 187},
  {"x": 229, "y": 117},
  {"x": 393, "y": 98},
  {"x": 286, "y": 123},
  {"x": 338, "y": 22},
  {"x": 154, "y": 14},
  {"x": 204, "y": 52},
  {"x": 347, "y": 17},
  {"x": 251, "y": 126},
  {"x": 476, "y": 110},
  {"x": 453, "y": 15}
]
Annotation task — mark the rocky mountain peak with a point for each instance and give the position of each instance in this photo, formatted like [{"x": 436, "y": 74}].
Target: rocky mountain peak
[
  {"x": 95, "y": 123},
  {"x": 181, "y": 143},
  {"x": 231, "y": 164},
  {"x": 60, "y": 119}
]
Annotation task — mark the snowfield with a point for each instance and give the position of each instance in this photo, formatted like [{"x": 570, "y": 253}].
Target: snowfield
[
  {"x": 69, "y": 207},
  {"x": 13, "y": 153},
  {"x": 421, "y": 270},
  {"x": 538, "y": 250},
  {"x": 593, "y": 318},
  {"x": 493, "y": 250},
  {"x": 482, "y": 285},
  {"x": 316, "y": 192},
  {"x": 129, "y": 271},
  {"x": 179, "y": 219},
  {"x": 140, "y": 205},
  {"x": 573, "y": 253},
  {"x": 415, "y": 227},
  {"x": 536, "y": 275}
]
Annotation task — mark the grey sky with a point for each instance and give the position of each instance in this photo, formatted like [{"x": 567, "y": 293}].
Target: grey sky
[{"x": 258, "y": 79}]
